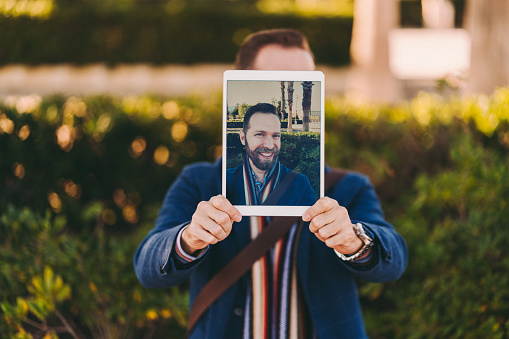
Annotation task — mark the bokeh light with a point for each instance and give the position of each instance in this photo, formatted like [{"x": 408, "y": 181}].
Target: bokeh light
[
  {"x": 31, "y": 8},
  {"x": 74, "y": 107},
  {"x": 130, "y": 214},
  {"x": 170, "y": 110},
  {"x": 55, "y": 202},
  {"x": 161, "y": 155},
  {"x": 103, "y": 123},
  {"x": 151, "y": 315},
  {"x": 72, "y": 189},
  {"x": 179, "y": 131},
  {"x": 18, "y": 170},
  {"x": 52, "y": 112},
  {"x": 119, "y": 197},
  {"x": 138, "y": 146},
  {"x": 24, "y": 132},
  {"x": 166, "y": 314},
  {"x": 65, "y": 137},
  {"x": 25, "y": 103},
  {"x": 6, "y": 124}
]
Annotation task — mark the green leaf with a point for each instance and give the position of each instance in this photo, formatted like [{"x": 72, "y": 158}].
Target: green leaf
[{"x": 39, "y": 308}]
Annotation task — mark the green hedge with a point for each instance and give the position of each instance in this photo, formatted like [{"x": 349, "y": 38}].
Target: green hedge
[
  {"x": 81, "y": 180},
  {"x": 152, "y": 35},
  {"x": 54, "y": 282},
  {"x": 455, "y": 285},
  {"x": 441, "y": 168},
  {"x": 160, "y": 32},
  {"x": 101, "y": 154}
]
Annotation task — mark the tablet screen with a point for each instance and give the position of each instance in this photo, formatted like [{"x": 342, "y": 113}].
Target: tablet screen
[{"x": 273, "y": 141}]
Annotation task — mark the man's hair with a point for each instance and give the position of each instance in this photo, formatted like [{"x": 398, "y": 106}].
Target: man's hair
[
  {"x": 283, "y": 37},
  {"x": 258, "y": 108}
]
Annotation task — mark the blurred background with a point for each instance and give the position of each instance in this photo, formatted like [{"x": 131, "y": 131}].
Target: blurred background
[{"x": 102, "y": 103}]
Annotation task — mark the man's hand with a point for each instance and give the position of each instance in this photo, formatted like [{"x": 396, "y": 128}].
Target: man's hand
[
  {"x": 212, "y": 222},
  {"x": 332, "y": 225}
]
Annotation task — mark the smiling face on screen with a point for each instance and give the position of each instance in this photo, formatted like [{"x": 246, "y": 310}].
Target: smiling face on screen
[{"x": 262, "y": 140}]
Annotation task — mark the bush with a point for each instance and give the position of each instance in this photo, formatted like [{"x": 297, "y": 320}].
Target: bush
[
  {"x": 393, "y": 145},
  {"x": 453, "y": 287},
  {"x": 162, "y": 32},
  {"x": 84, "y": 286},
  {"x": 101, "y": 166},
  {"x": 100, "y": 159},
  {"x": 157, "y": 35},
  {"x": 442, "y": 169}
]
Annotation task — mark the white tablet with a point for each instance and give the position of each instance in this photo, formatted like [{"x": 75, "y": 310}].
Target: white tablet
[{"x": 273, "y": 141}]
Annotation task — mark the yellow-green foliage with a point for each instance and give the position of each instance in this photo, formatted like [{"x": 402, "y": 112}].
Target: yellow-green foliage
[
  {"x": 427, "y": 109},
  {"x": 81, "y": 181}
]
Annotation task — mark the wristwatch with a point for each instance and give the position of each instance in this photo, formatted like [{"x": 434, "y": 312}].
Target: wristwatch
[{"x": 368, "y": 243}]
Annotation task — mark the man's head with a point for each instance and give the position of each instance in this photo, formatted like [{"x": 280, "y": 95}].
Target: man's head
[
  {"x": 261, "y": 135},
  {"x": 275, "y": 49}
]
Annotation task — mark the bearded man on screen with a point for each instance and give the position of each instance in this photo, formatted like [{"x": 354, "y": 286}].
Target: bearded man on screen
[{"x": 251, "y": 182}]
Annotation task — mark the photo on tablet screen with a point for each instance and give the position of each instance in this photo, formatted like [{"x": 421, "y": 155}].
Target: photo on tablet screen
[{"x": 273, "y": 141}]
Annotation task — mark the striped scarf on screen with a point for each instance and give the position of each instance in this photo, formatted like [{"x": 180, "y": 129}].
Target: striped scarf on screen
[{"x": 274, "y": 307}]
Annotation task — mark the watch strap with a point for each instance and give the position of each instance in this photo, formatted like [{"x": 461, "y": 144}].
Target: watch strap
[{"x": 368, "y": 243}]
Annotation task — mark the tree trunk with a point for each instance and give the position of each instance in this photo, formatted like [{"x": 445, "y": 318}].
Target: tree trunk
[
  {"x": 283, "y": 101},
  {"x": 371, "y": 77},
  {"x": 290, "y": 106},
  {"x": 437, "y": 13},
  {"x": 488, "y": 24},
  {"x": 306, "y": 104}
]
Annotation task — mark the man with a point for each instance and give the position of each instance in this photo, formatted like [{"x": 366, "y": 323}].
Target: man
[
  {"x": 251, "y": 182},
  {"x": 195, "y": 236}
]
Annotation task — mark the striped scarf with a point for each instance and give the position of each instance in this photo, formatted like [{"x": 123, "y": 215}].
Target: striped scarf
[
  {"x": 273, "y": 305},
  {"x": 254, "y": 194}
]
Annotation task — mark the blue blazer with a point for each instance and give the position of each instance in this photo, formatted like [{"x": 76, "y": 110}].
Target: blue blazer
[
  {"x": 328, "y": 283},
  {"x": 299, "y": 193}
]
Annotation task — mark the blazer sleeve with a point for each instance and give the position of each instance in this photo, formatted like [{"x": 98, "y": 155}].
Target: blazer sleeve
[
  {"x": 308, "y": 196},
  {"x": 154, "y": 261},
  {"x": 357, "y": 194}
]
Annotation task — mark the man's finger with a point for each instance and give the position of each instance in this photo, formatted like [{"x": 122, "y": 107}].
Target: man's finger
[
  {"x": 334, "y": 241},
  {"x": 210, "y": 215},
  {"x": 222, "y": 220},
  {"x": 223, "y": 204},
  {"x": 321, "y": 220},
  {"x": 201, "y": 234},
  {"x": 328, "y": 231},
  {"x": 196, "y": 238},
  {"x": 322, "y": 205},
  {"x": 219, "y": 231}
]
